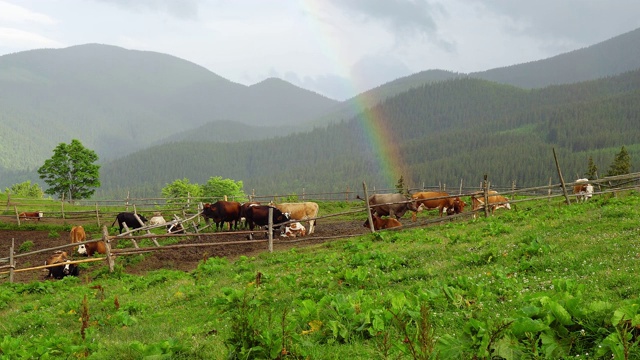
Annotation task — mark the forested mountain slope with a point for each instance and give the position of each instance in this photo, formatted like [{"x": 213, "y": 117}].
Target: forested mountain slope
[
  {"x": 611, "y": 57},
  {"x": 447, "y": 131},
  {"x": 116, "y": 101}
]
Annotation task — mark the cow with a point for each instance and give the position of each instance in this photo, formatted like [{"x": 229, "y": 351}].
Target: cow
[
  {"x": 438, "y": 200},
  {"x": 243, "y": 210},
  {"x": 583, "y": 190},
  {"x": 392, "y": 205},
  {"x": 259, "y": 215},
  {"x": 496, "y": 201},
  {"x": 221, "y": 212},
  {"x": 58, "y": 272},
  {"x": 294, "y": 229},
  {"x": 301, "y": 211},
  {"x": 35, "y": 215},
  {"x": 91, "y": 248},
  {"x": 77, "y": 235},
  {"x": 157, "y": 219},
  {"x": 175, "y": 228},
  {"x": 380, "y": 223},
  {"x": 130, "y": 220}
]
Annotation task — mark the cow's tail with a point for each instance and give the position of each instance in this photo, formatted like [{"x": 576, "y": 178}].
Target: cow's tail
[
  {"x": 358, "y": 197},
  {"x": 114, "y": 222}
]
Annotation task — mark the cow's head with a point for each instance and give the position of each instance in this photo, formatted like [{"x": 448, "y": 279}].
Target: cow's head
[{"x": 82, "y": 249}]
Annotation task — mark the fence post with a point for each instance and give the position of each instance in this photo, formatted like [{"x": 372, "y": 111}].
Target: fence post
[
  {"x": 12, "y": 264},
  {"x": 15, "y": 208},
  {"x": 366, "y": 201},
  {"x": 460, "y": 191},
  {"x": 270, "y": 229},
  {"x": 107, "y": 245},
  {"x": 126, "y": 202},
  {"x": 97, "y": 215},
  {"x": 62, "y": 207},
  {"x": 485, "y": 190},
  {"x": 564, "y": 187},
  {"x": 549, "y": 190},
  {"x": 302, "y": 194}
]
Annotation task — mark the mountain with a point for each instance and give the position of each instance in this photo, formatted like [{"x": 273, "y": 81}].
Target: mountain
[
  {"x": 611, "y": 57},
  {"x": 446, "y": 132},
  {"x": 116, "y": 101}
]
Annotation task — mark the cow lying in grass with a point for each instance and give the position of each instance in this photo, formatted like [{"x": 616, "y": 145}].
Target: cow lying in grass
[
  {"x": 380, "y": 223},
  {"x": 58, "y": 272}
]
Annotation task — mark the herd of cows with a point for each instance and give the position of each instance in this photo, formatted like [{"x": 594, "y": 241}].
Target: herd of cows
[{"x": 386, "y": 212}]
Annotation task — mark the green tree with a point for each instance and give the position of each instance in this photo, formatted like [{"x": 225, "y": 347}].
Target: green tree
[
  {"x": 26, "y": 189},
  {"x": 592, "y": 169},
  {"x": 180, "y": 189},
  {"x": 401, "y": 187},
  {"x": 621, "y": 163},
  {"x": 71, "y": 171},
  {"x": 217, "y": 187}
]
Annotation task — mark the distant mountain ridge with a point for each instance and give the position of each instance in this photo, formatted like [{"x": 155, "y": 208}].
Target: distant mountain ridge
[{"x": 118, "y": 101}]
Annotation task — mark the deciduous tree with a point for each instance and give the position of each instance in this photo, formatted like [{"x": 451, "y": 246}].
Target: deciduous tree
[{"x": 71, "y": 171}]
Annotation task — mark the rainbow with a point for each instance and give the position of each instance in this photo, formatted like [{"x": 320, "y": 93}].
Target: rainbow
[{"x": 380, "y": 136}]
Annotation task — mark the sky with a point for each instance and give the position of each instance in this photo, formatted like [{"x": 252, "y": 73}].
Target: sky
[{"x": 337, "y": 48}]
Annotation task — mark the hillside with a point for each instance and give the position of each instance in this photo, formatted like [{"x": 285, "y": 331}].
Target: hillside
[
  {"x": 116, "y": 101},
  {"x": 543, "y": 280},
  {"x": 608, "y": 58},
  {"x": 448, "y": 132}
]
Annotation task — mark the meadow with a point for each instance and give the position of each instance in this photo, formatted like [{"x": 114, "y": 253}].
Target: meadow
[{"x": 541, "y": 281}]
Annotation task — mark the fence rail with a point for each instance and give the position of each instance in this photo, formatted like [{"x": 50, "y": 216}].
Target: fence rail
[{"x": 610, "y": 185}]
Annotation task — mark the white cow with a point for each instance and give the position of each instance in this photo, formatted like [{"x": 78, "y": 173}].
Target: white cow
[
  {"x": 294, "y": 229},
  {"x": 583, "y": 190}
]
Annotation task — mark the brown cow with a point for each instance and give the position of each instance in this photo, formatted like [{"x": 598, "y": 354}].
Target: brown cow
[
  {"x": 243, "y": 212},
  {"x": 77, "y": 235},
  {"x": 380, "y": 223},
  {"x": 259, "y": 215},
  {"x": 301, "y": 211},
  {"x": 91, "y": 248},
  {"x": 221, "y": 212},
  {"x": 583, "y": 190},
  {"x": 437, "y": 200},
  {"x": 392, "y": 205},
  {"x": 496, "y": 201},
  {"x": 294, "y": 229},
  {"x": 58, "y": 272},
  {"x": 35, "y": 215}
]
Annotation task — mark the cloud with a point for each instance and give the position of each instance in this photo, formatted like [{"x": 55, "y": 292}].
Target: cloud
[
  {"x": 15, "y": 14},
  {"x": 181, "y": 9},
  {"x": 575, "y": 21},
  {"x": 18, "y": 39}
]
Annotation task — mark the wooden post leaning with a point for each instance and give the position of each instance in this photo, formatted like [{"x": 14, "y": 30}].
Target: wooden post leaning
[
  {"x": 107, "y": 245},
  {"x": 366, "y": 201},
  {"x": 15, "y": 208},
  {"x": 485, "y": 191},
  {"x": 564, "y": 187}
]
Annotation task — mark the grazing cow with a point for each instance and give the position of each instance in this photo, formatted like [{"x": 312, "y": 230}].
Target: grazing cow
[
  {"x": 58, "y": 272},
  {"x": 380, "y": 223},
  {"x": 436, "y": 200},
  {"x": 157, "y": 219},
  {"x": 301, "y": 211},
  {"x": 77, "y": 235},
  {"x": 496, "y": 201},
  {"x": 221, "y": 212},
  {"x": 294, "y": 229},
  {"x": 395, "y": 205},
  {"x": 35, "y": 215},
  {"x": 129, "y": 218},
  {"x": 259, "y": 215},
  {"x": 583, "y": 190},
  {"x": 91, "y": 248},
  {"x": 175, "y": 228},
  {"x": 243, "y": 210}
]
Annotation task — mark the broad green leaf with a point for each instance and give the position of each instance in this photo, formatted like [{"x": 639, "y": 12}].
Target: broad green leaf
[{"x": 526, "y": 325}]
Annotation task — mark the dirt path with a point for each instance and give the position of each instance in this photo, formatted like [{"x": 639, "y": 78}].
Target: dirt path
[{"x": 185, "y": 259}]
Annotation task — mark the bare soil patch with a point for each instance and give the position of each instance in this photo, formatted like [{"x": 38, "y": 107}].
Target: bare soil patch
[{"x": 184, "y": 259}]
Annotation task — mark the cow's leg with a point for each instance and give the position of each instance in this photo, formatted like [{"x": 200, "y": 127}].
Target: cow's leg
[{"x": 311, "y": 225}]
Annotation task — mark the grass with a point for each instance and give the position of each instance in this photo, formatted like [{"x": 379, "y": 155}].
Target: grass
[{"x": 546, "y": 281}]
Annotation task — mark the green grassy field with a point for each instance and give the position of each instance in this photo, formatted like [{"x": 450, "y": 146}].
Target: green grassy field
[{"x": 543, "y": 281}]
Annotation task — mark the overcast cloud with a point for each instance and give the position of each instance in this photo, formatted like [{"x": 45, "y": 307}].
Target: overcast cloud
[{"x": 335, "y": 47}]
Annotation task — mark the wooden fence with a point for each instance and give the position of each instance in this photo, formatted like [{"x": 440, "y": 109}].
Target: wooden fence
[{"x": 604, "y": 186}]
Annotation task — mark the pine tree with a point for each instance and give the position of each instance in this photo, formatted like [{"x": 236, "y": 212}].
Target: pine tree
[
  {"x": 401, "y": 187},
  {"x": 592, "y": 169},
  {"x": 621, "y": 163}
]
